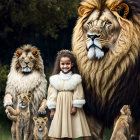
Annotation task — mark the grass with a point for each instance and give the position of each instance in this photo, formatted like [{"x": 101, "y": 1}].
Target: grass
[
  {"x": 107, "y": 134},
  {"x": 5, "y": 133}
]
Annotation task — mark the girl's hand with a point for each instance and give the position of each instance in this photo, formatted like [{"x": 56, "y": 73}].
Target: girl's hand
[
  {"x": 52, "y": 113},
  {"x": 73, "y": 110}
]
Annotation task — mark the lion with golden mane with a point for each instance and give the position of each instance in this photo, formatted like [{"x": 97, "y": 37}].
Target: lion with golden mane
[
  {"x": 106, "y": 43},
  {"x": 26, "y": 75}
]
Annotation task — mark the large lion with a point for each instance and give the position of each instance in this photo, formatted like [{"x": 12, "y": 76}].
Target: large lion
[
  {"x": 106, "y": 43},
  {"x": 26, "y": 75}
]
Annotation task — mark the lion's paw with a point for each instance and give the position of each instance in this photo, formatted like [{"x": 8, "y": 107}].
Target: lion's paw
[
  {"x": 8, "y": 103},
  {"x": 6, "y": 111},
  {"x": 42, "y": 110}
]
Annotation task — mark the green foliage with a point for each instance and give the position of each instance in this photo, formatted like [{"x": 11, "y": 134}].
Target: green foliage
[
  {"x": 4, "y": 124},
  {"x": 46, "y": 16},
  {"x": 107, "y": 133},
  {"x": 4, "y": 70}
]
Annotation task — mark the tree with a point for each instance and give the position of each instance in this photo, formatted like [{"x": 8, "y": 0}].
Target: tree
[
  {"x": 4, "y": 70},
  {"x": 45, "y": 16}
]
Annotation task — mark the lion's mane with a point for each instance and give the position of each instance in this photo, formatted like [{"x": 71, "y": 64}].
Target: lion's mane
[
  {"x": 114, "y": 80},
  {"x": 34, "y": 82}
]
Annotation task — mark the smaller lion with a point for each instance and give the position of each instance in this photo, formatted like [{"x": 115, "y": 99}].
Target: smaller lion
[
  {"x": 21, "y": 115},
  {"x": 40, "y": 129},
  {"x": 122, "y": 127}
]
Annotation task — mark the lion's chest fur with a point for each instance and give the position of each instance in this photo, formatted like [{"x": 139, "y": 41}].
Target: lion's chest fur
[
  {"x": 23, "y": 118},
  {"x": 24, "y": 83},
  {"x": 20, "y": 83}
]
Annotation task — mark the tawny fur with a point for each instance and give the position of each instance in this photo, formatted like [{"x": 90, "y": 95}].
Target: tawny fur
[
  {"x": 40, "y": 129},
  {"x": 21, "y": 116},
  {"x": 20, "y": 82},
  {"x": 122, "y": 127},
  {"x": 108, "y": 81},
  {"x": 99, "y": 70}
]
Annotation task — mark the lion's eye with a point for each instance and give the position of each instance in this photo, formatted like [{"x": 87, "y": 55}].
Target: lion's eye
[
  {"x": 22, "y": 58},
  {"x": 38, "y": 122},
  {"x": 107, "y": 23},
  {"x": 31, "y": 58},
  {"x": 42, "y": 122},
  {"x": 89, "y": 23}
]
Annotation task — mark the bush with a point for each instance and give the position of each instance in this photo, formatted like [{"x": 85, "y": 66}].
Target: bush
[{"x": 4, "y": 70}]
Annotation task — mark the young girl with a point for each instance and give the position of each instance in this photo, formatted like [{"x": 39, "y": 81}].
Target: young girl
[{"x": 66, "y": 98}]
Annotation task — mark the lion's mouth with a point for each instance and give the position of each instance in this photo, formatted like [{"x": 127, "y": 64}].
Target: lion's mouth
[
  {"x": 40, "y": 129},
  {"x": 21, "y": 105},
  {"x": 26, "y": 69},
  {"x": 97, "y": 52}
]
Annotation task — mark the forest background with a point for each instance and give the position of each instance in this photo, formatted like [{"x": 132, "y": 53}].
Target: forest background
[{"x": 47, "y": 24}]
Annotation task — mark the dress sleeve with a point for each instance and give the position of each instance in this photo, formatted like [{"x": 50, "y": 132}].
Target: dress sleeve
[
  {"x": 78, "y": 97},
  {"x": 52, "y": 97}
]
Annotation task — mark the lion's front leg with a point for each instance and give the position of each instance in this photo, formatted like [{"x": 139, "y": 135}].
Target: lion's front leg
[
  {"x": 45, "y": 138},
  {"x": 13, "y": 130},
  {"x": 26, "y": 131},
  {"x": 18, "y": 131},
  {"x": 12, "y": 111},
  {"x": 31, "y": 128},
  {"x": 96, "y": 129}
]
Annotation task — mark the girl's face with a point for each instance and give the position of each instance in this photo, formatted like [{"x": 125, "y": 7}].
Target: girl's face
[{"x": 65, "y": 64}]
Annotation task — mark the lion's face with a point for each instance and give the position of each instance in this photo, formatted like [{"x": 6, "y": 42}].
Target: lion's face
[
  {"x": 27, "y": 62},
  {"x": 101, "y": 31},
  {"x": 40, "y": 123},
  {"x": 24, "y": 99},
  {"x": 125, "y": 110},
  {"x": 28, "y": 59}
]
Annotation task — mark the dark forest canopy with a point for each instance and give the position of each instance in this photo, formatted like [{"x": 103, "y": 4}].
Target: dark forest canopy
[
  {"x": 47, "y": 24},
  {"x": 46, "y": 16}
]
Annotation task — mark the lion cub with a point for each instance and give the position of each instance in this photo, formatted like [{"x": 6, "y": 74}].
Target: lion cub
[
  {"x": 21, "y": 115},
  {"x": 122, "y": 127},
  {"x": 40, "y": 129}
]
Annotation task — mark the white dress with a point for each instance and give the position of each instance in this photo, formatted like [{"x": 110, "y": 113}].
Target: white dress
[{"x": 64, "y": 92}]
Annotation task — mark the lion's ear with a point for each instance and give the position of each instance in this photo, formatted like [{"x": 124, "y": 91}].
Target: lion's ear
[
  {"x": 84, "y": 9},
  {"x": 46, "y": 119},
  {"x": 29, "y": 95},
  {"x": 18, "y": 53},
  {"x": 34, "y": 118},
  {"x": 122, "y": 9},
  {"x": 35, "y": 52},
  {"x": 81, "y": 10},
  {"x": 124, "y": 109}
]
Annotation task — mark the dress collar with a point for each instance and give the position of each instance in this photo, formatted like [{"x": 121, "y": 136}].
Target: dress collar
[{"x": 65, "y": 76}]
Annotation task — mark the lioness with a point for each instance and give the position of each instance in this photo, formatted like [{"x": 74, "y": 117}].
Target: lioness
[
  {"x": 122, "y": 127},
  {"x": 21, "y": 115},
  {"x": 40, "y": 129}
]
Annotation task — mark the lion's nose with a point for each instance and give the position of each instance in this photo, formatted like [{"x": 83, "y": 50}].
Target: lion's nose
[
  {"x": 93, "y": 36},
  {"x": 26, "y": 63}
]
